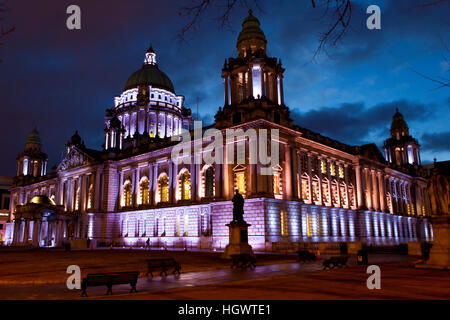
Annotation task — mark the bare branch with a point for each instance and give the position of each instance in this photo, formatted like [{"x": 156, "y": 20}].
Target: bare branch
[
  {"x": 4, "y": 32},
  {"x": 341, "y": 18},
  {"x": 442, "y": 84}
]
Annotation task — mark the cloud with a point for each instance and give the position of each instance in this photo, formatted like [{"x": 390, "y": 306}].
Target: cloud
[
  {"x": 436, "y": 141},
  {"x": 354, "y": 123}
]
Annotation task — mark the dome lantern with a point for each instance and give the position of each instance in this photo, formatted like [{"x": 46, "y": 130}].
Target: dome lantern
[{"x": 150, "y": 57}]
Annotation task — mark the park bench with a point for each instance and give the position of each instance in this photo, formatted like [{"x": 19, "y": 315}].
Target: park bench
[
  {"x": 339, "y": 261},
  {"x": 108, "y": 280},
  {"x": 243, "y": 261},
  {"x": 306, "y": 255},
  {"x": 163, "y": 265}
]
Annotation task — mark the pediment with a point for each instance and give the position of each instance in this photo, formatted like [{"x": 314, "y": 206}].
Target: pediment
[{"x": 75, "y": 158}]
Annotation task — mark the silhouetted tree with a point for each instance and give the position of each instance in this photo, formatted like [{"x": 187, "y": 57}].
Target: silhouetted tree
[
  {"x": 3, "y": 31},
  {"x": 338, "y": 11}
]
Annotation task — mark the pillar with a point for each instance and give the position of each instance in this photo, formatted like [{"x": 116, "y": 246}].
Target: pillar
[
  {"x": 359, "y": 186},
  {"x": 375, "y": 194},
  {"x": 288, "y": 172},
  {"x": 382, "y": 192},
  {"x": 225, "y": 80}
]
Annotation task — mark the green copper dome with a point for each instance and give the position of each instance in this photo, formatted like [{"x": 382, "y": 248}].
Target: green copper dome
[
  {"x": 251, "y": 29},
  {"x": 34, "y": 137},
  {"x": 152, "y": 76},
  {"x": 398, "y": 123}
]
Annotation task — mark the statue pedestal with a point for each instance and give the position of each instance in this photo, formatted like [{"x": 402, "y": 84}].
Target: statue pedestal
[
  {"x": 440, "y": 251},
  {"x": 238, "y": 243}
]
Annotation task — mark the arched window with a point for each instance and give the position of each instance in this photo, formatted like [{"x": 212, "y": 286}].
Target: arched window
[
  {"x": 315, "y": 189},
  {"x": 351, "y": 195},
  {"x": 164, "y": 188},
  {"x": 326, "y": 191},
  {"x": 343, "y": 193},
  {"x": 143, "y": 190},
  {"x": 277, "y": 183},
  {"x": 209, "y": 182},
  {"x": 90, "y": 196},
  {"x": 127, "y": 194},
  {"x": 306, "y": 193},
  {"x": 334, "y": 194}
]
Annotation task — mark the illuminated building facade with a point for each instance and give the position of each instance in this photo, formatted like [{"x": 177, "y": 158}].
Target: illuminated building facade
[{"x": 320, "y": 191}]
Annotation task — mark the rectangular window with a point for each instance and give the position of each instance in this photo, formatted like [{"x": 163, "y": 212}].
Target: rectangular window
[
  {"x": 309, "y": 225},
  {"x": 284, "y": 223},
  {"x": 323, "y": 166},
  {"x": 333, "y": 169},
  {"x": 341, "y": 172}
]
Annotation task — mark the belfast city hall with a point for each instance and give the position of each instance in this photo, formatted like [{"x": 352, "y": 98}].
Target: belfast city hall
[{"x": 131, "y": 192}]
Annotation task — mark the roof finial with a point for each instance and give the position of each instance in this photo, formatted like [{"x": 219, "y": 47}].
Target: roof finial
[
  {"x": 250, "y": 11},
  {"x": 150, "y": 56}
]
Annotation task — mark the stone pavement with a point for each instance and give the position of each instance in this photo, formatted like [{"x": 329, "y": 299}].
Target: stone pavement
[{"x": 185, "y": 280}]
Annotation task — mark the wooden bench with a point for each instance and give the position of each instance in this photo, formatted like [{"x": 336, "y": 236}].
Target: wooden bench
[
  {"x": 108, "y": 280},
  {"x": 163, "y": 265},
  {"x": 306, "y": 255},
  {"x": 243, "y": 261},
  {"x": 339, "y": 261}
]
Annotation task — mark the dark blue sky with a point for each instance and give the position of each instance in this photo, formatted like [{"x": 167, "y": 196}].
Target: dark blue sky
[{"x": 61, "y": 80}]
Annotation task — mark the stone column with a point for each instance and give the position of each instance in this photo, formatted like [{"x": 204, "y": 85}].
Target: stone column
[
  {"x": 347, "y": 182},
  {"x": 136, "y": 129},
  {"x": 146, "y": 119},
  {"x": 368, "y": 189},
  {"x": 309, "y": 159},
  {"x": 218, "y": 182},
  {"x": 155, "y": 180},
  {"x": 193, "y": 171},
  {"x": 26, "y": 231},
  {"x": 120, "y": 188},
  {"x": 133, "y": 186},
  {"x": 225, "y": 175},
  {"x": 150, "y": 184},
  {"x": 359, "y": 186},
  {"x": 418, "y": 202},
  {"x": 287, "y": 172},
  {"x": 375, "y": 194},
  {"x": 382, "y": 192},
  {"x": 129, "y": 124},
  {"x": 281, "y": 90},
  {"x": 137, "y": 186},
  {"x": 225, "y": 80},
  {"x": 250, "y": 81},
  {"x": 16, "y": 231},
  {"x": 36, "y": 232},
  {"x": 299, "y": 175}
]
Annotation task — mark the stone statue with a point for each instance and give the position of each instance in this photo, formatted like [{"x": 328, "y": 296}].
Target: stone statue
[
  {"x": 238, "y": 207},
  {"x": 438, "y": 189}
]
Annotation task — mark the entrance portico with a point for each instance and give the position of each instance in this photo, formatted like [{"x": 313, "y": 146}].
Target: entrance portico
[{"x": 41, "y": 223}]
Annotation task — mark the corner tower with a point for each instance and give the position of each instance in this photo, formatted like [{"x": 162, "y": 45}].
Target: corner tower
[
  {"x": 401, "y": 148},
  {"x": 253, "y": 81},
  {"x": 32, "y": 161}
]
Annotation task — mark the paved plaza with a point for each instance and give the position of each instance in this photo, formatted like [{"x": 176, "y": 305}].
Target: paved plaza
[{"x": 41, "y": 274}]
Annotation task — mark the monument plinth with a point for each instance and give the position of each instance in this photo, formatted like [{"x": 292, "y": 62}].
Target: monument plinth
[
  {"x": 440, "y": 251},
  {"x": 238, "y": 230},
  {"x": 238, "y": 240},
  {"x": 439, "y": 190}
]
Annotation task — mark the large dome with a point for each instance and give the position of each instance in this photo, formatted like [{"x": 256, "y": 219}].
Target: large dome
[{"x": 152, "y": 76}]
